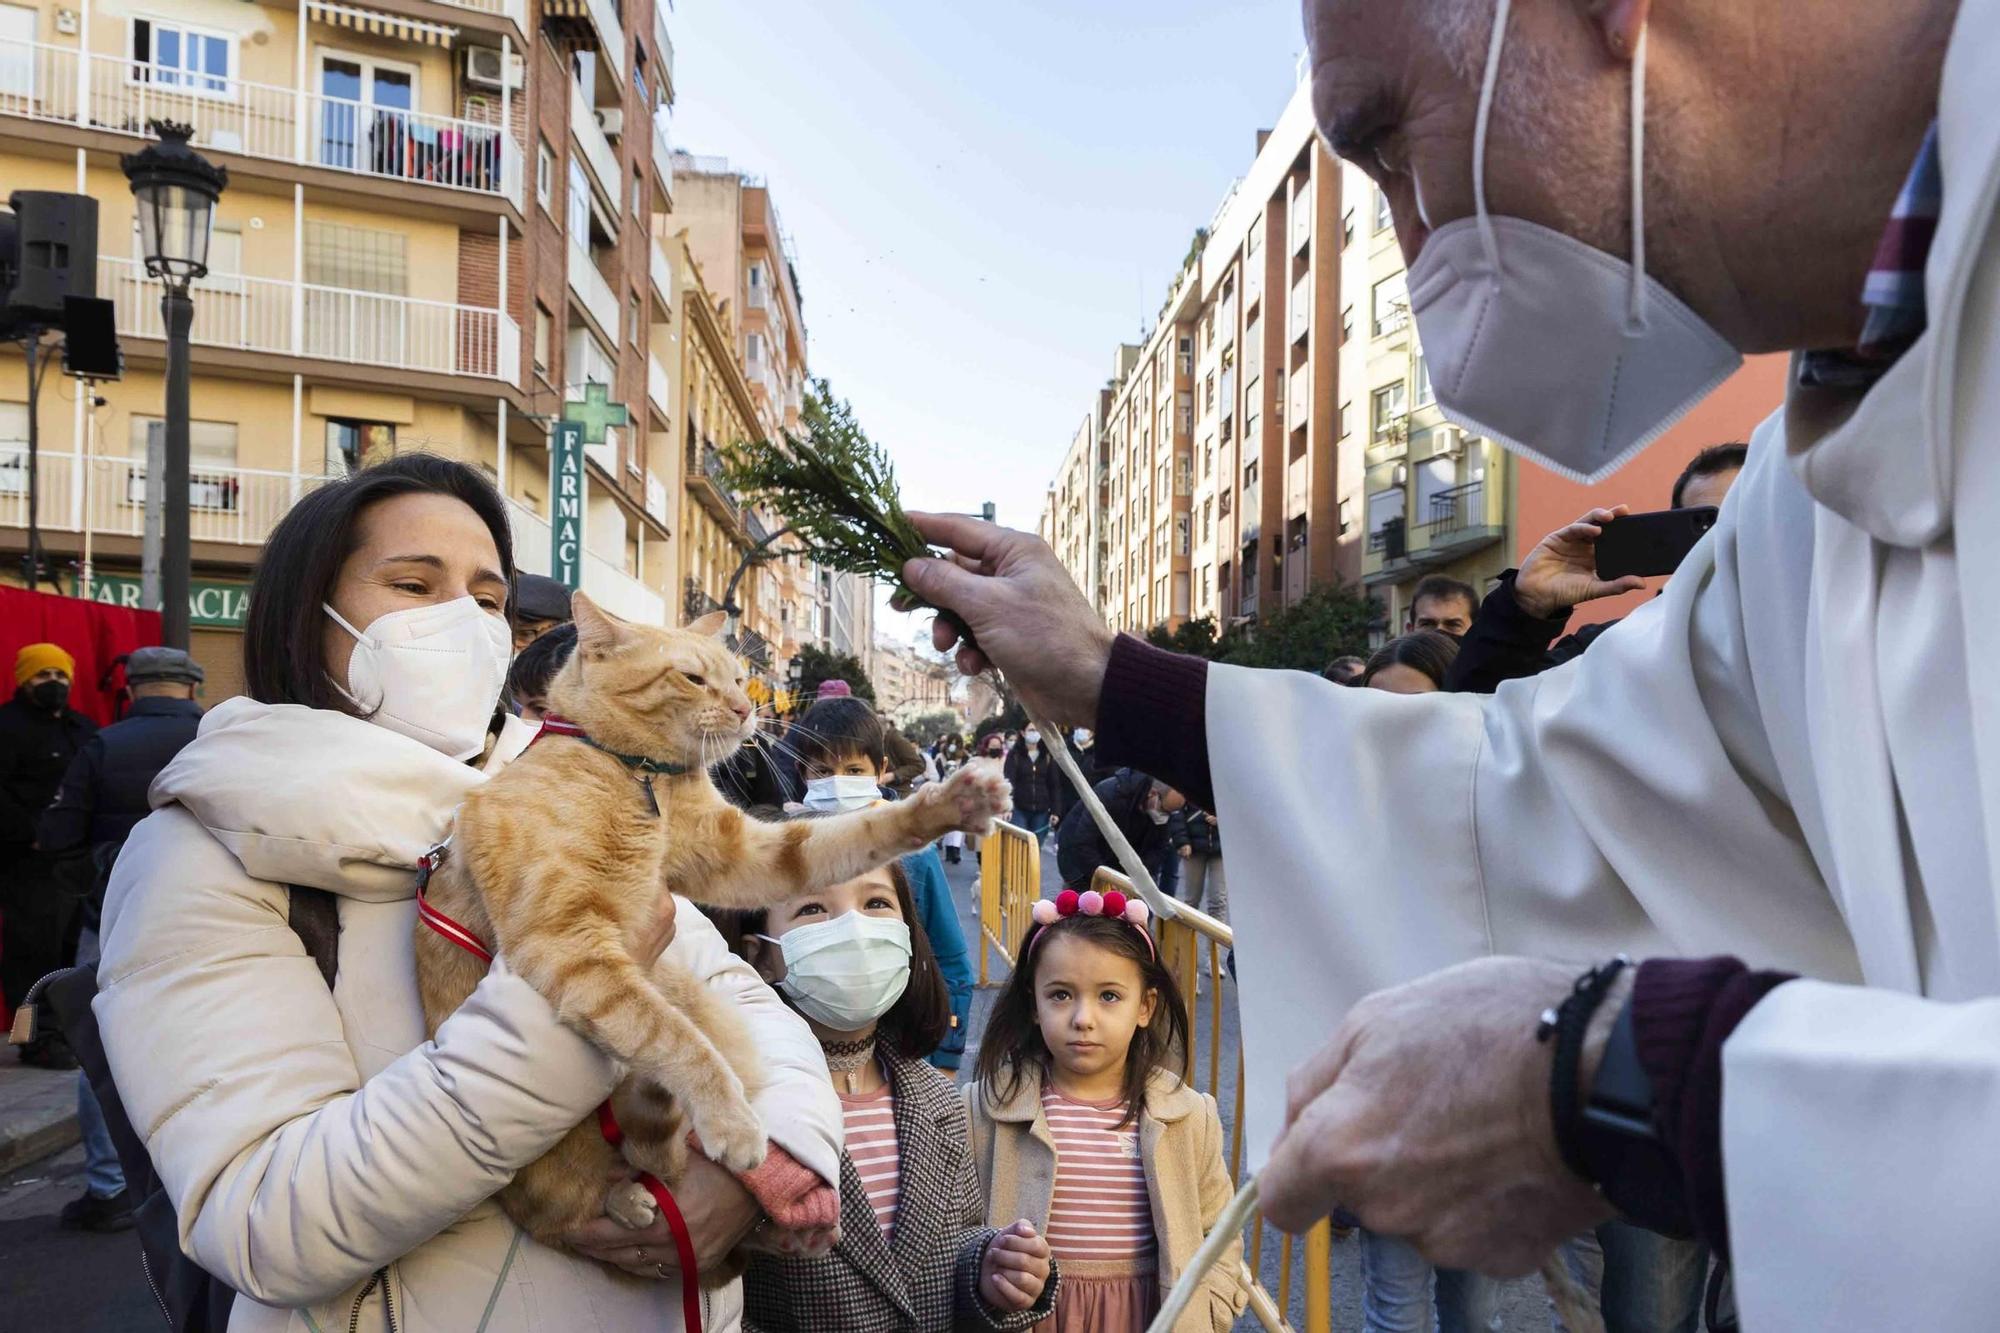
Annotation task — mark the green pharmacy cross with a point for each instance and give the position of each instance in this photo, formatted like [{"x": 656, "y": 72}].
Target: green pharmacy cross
[{"x": 596, "y": 411}]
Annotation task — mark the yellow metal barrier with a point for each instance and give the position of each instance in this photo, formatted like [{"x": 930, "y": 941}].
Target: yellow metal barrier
[
  {"x": 1193, "y": 945},
  {"x": 1010, "y": 879}
]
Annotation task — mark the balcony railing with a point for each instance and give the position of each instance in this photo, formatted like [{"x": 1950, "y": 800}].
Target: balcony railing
[
  {"x": 593, "y": 291},
  {"x": 107, "y": 494},
  {"x": 661, "y": 270},
  {"x": 663, "y": 44},
  {"x": 598, "y": 154},
  {"x": 658, "y": 388},
  {"x": 1456, "y": 509},
  {"x": 663, "y": 158},
  {"x": 610, "y": 36},
  {"x": 333, "y": 323},
  {"x": 1299, "y": 310},
  {"x": 516, "y": 10},
  {"x": 608, "y": 585},
  {"x": 260, "y": 120}
]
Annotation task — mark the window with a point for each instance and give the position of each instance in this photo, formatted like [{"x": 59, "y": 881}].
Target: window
[
  {"x": 1346, "y": 323},
  {"x": 1208, "y": 394},
  {"x": 1388, "y": 408},
  {"x": 1423, "y": 378},
  {"x": 1186, "y": 354},
  {"x": 363, "y": 259},
  {"x": 1383, "y": 220},
  {"x": 353, "y": 445},
  {"x": 1250, "y": 473},
  {"x": 1391, "y": 305},
  {"x": 170, "y": 53},
  {"x": 1435, "y": 477},
  {"x": 760, "y": 294},
  {"x": 1254, "y": 241},
  {"x": 1180, "y": 594},
  {"x": 211, "y": 444},
  {"x": 1347, "y": 227},
  {"x": 635, "y": 322},
  {"x": 1295, "y": 539},
  {"x": 1208, "y": 461},
  {"x": 1384, "y": 507},
  {"x": 213, "y": 483},
  {"x": 638, "y": 193},
  {"x": 545, "y": 176},
  {"x": 1182, "y": 524},
  {"x": 1346, "y": 420},
  {"x": 576, "y": 206},
  {"x": 1183, "y": 474},
  {"x": 545, "y": 332},
  {"x": 755, "y": 354},
  {"x": 1208, "y": 519},
  {"x": 1346, "y": 515}
]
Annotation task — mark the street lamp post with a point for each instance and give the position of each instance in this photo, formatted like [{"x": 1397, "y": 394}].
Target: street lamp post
[{"x": 176, "y": 189}]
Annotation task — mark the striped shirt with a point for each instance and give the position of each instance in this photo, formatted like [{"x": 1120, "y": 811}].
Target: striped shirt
[
  {"x": 870, "y": 1118},
  {"x": 1101, "y": 1210}
]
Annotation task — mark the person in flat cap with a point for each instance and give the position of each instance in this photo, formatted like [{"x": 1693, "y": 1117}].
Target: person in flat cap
[
  {"x": 39, "y": 735},
  {"x": 540, "y": 604},
  {"x": 102, "y": 797}
]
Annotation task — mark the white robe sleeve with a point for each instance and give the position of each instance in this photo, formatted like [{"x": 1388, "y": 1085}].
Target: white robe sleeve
[{"x": 1626, "y": 801}]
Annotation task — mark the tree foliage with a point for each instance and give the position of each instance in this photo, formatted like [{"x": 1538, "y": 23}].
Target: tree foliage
[
  {"x": 930, "y": 728},
  {"x": 821, "y": 665},
  {"x": 1328, "y": 621}
]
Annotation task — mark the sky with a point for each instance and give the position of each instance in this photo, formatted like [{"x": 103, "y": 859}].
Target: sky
[{"x": 985, "y": 198}]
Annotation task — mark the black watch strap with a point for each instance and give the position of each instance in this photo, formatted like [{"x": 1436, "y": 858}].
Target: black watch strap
[{"x": 1619, "y": 1143}]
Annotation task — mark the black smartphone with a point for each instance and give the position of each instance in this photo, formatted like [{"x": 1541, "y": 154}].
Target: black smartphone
[{"x": 1651, "y": 544}]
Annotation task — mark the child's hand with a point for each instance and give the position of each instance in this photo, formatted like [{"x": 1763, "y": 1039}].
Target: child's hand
[{"x": 1015, "y": 1268}]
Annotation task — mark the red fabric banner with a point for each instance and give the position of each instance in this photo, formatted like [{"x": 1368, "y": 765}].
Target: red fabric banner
[{"x": 91, "y": 632}]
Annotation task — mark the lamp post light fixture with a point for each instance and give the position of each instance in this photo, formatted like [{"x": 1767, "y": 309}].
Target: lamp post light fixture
[{"x": 175, "y": 189}]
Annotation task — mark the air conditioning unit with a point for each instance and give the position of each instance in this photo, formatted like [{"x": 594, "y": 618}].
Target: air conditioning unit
[
  {"x": 1447, "y": 442},
  {"x": 611, "y": 119},
  {"x": 482, "y": 68}
]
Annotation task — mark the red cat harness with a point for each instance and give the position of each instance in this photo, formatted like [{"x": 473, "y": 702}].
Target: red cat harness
[{"x": 607, "y": 1121}]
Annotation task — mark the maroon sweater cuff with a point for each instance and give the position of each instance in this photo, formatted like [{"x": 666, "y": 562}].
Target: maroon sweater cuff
[
  {"x": 1152, "y": 715},
  {"x": 1682, "y": 1011}
]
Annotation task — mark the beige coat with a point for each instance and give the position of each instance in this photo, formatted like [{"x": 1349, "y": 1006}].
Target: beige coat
[
  {"x": 311, "y": 1138},
  {"x": 1181, "y": 1143}
]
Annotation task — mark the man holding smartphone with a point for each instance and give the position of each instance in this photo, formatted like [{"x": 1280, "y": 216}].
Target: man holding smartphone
[{"x": 1519, "y": 630}]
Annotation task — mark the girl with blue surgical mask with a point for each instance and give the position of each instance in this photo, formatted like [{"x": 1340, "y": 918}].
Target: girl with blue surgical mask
[{"x": 855, "y": 963}]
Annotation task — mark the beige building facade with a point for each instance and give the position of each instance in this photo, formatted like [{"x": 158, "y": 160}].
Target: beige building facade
[{"x": 439, "y": 227}]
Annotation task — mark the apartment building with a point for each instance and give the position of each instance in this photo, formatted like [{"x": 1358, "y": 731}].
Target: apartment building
[
  {"x": 438, "y": 229},
  {"x": 909, "y": 684},
  {"x": 1073, "y": 512}
]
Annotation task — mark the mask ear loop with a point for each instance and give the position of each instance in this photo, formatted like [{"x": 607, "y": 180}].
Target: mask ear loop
[
  {"x": 341, "y": 621},
  {"x": 1487, "y": 239},
  {"x": 1635, "y": 314}
]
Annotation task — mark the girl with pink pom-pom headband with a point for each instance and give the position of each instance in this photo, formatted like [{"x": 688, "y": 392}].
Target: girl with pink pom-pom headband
[{"x": 1113, "y": 905}]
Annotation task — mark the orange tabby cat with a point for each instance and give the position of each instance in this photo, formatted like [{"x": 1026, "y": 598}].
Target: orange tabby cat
[{"x": 559, "y": 863}]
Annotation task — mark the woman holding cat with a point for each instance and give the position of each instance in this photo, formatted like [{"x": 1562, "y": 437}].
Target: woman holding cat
[
  {"x": 324, "y": 1159},
  {"x": 914, "y": 1255}
]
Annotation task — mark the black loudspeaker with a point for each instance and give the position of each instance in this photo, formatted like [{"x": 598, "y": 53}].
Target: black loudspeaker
[
  {"x": 90, "y": 339},
  {"x": 57, "y": 252}
]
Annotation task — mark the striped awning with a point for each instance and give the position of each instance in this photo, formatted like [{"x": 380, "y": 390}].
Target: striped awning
[
  {"x": 380, "y": 25},
  {"x": 566, "y": 9}
]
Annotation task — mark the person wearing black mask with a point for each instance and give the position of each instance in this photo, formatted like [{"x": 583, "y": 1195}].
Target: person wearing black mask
[{"x": 39, "y": 735}]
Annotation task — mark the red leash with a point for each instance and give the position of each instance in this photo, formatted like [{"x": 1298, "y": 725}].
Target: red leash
[{"x": 607, "y": 1122}]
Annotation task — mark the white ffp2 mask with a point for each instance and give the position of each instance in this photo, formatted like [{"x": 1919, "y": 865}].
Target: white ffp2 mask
[
  {"x": 842, "y": 793},
  {"x": 432, "y": 673},
  {"x": 1558, "y": 351},
  {"x": 845, "y": 973}
]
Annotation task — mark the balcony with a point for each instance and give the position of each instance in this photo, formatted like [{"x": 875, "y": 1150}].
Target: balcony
[
  {"x": 661, "y": 270},
  {"x": 1298, "y": 312},
  {"x": 1456, "y": 509},
  {"x": 1301, "y": 211},
  {"x": 329, "y": 323},
  {"x": 659, "y": 390},
  {"x": 593, "y": 292},
  {"x": 1449, "y": 525},
  {"x": 656, "y": 499},
  {"x": 663, "y": 153},
  {"x": 608, "y": 585},
  {"x": 1298, "y": 397},
  {"x": 598, "y": 155},
  {"x": 517, "y": 10},
  {"x": 705, "y": 477},
  {"x": 107, "y": 494},
  {"x": 663, "y": 47},
  {"x": 258, "y": 120}
]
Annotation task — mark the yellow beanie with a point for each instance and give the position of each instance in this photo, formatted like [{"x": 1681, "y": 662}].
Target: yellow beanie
[{"x": 36, "y": 658}]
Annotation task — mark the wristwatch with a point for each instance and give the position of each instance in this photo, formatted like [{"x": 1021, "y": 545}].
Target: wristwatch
[{"x": 1618, "y": 1141}]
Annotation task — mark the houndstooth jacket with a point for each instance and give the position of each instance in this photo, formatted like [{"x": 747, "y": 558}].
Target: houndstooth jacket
[{"x": 923, "y": 1279}]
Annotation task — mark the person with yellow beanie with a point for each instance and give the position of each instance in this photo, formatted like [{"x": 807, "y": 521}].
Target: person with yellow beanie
[{"x": 39, "y": 735}]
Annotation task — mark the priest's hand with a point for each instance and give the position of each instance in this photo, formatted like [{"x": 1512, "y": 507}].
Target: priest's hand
[
  {"x": 1028, "y": 617},
  {"x": 1427, "y": 1116},
  {"x": 1561, "y": 572}
]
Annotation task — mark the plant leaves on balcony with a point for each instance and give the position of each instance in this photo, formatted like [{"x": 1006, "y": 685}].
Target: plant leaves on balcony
[{"x": 837, "y": 490}]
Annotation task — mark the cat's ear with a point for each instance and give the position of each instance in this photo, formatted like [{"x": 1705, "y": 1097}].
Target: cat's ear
[
  {"x": 710, "y": 625},
  {"x": 596, "y": 629}
]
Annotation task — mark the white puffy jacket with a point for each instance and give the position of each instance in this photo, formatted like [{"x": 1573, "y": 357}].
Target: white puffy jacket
[{"x": 311, "y": 1138}]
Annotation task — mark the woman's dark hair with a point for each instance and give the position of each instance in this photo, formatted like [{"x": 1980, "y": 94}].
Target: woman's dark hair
[
  {"x": 1427, "y": 650},
  {"x": 284, "y": 632},
  {"x": 1012, "y": 1042},
  {"x": 921, "y": 1016},
  {"x": 536, "y": 665}
]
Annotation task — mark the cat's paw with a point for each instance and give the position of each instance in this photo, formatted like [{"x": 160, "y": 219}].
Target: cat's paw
[
  {"x": 731, "y": 1135},
  {"x": 631, "y": 1205},
  {"x": 972, "y": 798}
]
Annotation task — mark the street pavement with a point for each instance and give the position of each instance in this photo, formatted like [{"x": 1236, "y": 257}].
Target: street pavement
[{"x": 64, "y": 1280}]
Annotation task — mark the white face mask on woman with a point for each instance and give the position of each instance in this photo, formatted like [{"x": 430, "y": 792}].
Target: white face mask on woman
[
  {"x": 432, "y": 673},
  {"x": 845, "y": 973}
]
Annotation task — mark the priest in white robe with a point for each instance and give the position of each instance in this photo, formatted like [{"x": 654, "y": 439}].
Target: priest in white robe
[{"x": 1777, "y": 785}]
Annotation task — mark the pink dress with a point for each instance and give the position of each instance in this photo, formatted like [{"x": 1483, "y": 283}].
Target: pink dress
[{"x": 1100, "y": 1220}]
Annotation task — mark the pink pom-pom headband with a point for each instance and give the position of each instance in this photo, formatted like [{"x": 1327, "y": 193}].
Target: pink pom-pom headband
[{"x": 1113, "y": 905}]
